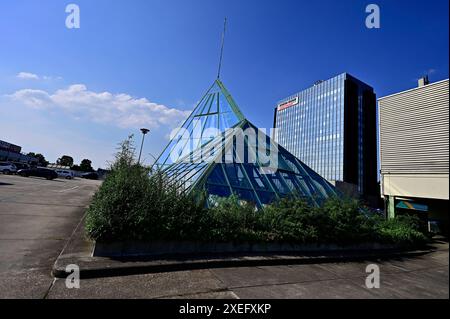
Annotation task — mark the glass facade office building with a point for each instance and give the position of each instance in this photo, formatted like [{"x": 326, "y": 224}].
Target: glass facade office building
[{"x": 331, "y": 127}]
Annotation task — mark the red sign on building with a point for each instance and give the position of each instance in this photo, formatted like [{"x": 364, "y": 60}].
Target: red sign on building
[{"x": 288, "y": 104}]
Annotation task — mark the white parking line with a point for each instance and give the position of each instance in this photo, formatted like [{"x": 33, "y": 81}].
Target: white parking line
[{"x": 69, "y": 189}]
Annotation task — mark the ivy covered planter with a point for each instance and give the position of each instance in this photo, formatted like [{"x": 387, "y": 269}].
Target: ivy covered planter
[{"x": 136, "y": 210}]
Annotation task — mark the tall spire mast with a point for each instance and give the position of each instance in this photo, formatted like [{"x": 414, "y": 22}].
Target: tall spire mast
[{"x": 221, "y": 49}]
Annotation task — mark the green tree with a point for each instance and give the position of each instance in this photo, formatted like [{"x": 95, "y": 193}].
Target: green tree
[
  {"x": 65, "y": 160},
  {"x": 86, "y": 166},
  {"x": 41, "y": 158}
]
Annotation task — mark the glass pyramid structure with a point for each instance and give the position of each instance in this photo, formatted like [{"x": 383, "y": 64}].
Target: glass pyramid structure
[{"x": 219, "y": 151}]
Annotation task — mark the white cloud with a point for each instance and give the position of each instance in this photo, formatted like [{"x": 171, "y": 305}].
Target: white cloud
[
  {"x": 27, "y": 76},
  {"x": 121, "y": 110},
  {"x": 36, "y": 99},
  {"x": 51, "y": 78},
  {"x": 32, "y": 76}
]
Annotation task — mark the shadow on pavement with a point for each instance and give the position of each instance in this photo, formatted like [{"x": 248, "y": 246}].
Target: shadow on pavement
[{"x": 5, "y": 184}]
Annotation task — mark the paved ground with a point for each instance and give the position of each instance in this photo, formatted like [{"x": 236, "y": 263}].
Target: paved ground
[
  {"x": 419, "y": 277},
  {"x": 36, "y": 218}
]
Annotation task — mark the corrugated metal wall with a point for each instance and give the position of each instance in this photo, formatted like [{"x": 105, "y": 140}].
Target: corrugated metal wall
[{"x": 414, "y": 130}]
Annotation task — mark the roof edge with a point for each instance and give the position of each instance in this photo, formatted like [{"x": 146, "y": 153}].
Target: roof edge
[{"x": 413, "y": 89}]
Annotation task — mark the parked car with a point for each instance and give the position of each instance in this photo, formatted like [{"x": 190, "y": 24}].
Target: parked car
[
  {"x": 38, "y": 172},
  {"x": 7, "y": 168},
  {"x": 91, "y": 175},
  {"x": 65, "y": 174},
  {"x": 21, "y": 166}
]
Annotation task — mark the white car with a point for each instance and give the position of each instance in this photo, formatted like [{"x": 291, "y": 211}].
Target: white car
[
  {"x": 65, "y": 174},
  {"x": 7, "y": 168}
]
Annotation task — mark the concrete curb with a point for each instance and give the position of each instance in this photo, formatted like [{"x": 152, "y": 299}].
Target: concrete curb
[{"x": 98, "y": 268}]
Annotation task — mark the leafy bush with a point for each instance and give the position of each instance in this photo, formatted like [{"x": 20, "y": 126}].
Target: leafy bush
[
  {"x": 401, "y": 229},
  {"x": 293, "y": 220},
  {"x": 117, "y": 206},
  {"x": 230, "y": 219},
  {"x": 347, "y": 223},
  {"x": 134, "y": 203}
]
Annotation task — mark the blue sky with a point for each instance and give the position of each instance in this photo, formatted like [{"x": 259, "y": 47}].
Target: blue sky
[{"x": 146, "y": 63}]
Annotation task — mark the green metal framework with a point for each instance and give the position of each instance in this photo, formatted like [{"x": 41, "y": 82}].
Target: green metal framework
[{"x": 218, "y": 150}]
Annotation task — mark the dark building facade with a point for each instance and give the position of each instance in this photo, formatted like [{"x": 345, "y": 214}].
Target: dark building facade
[
  {"x": 12, "y": 153},
  {"x": 332, "y": 128}
]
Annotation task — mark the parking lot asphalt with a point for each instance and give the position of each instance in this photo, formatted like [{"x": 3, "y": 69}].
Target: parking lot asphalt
[{"x": 37, "y": 217}]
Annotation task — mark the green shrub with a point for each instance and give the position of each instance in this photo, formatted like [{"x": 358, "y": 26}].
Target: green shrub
[
  {"x": 346, "y": 222},
  {"x": 403, "y": 230},
  {"x": 134, "y": 203},
  {"x": 170, "y": 214},
  {"x": 230, "y": 219},
  {"x": 292, "y": 220},
  {"x": 118, "y": 205}
]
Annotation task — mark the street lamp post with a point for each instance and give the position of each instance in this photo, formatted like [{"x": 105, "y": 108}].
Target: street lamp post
[{"x": 144, "y": 132}]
